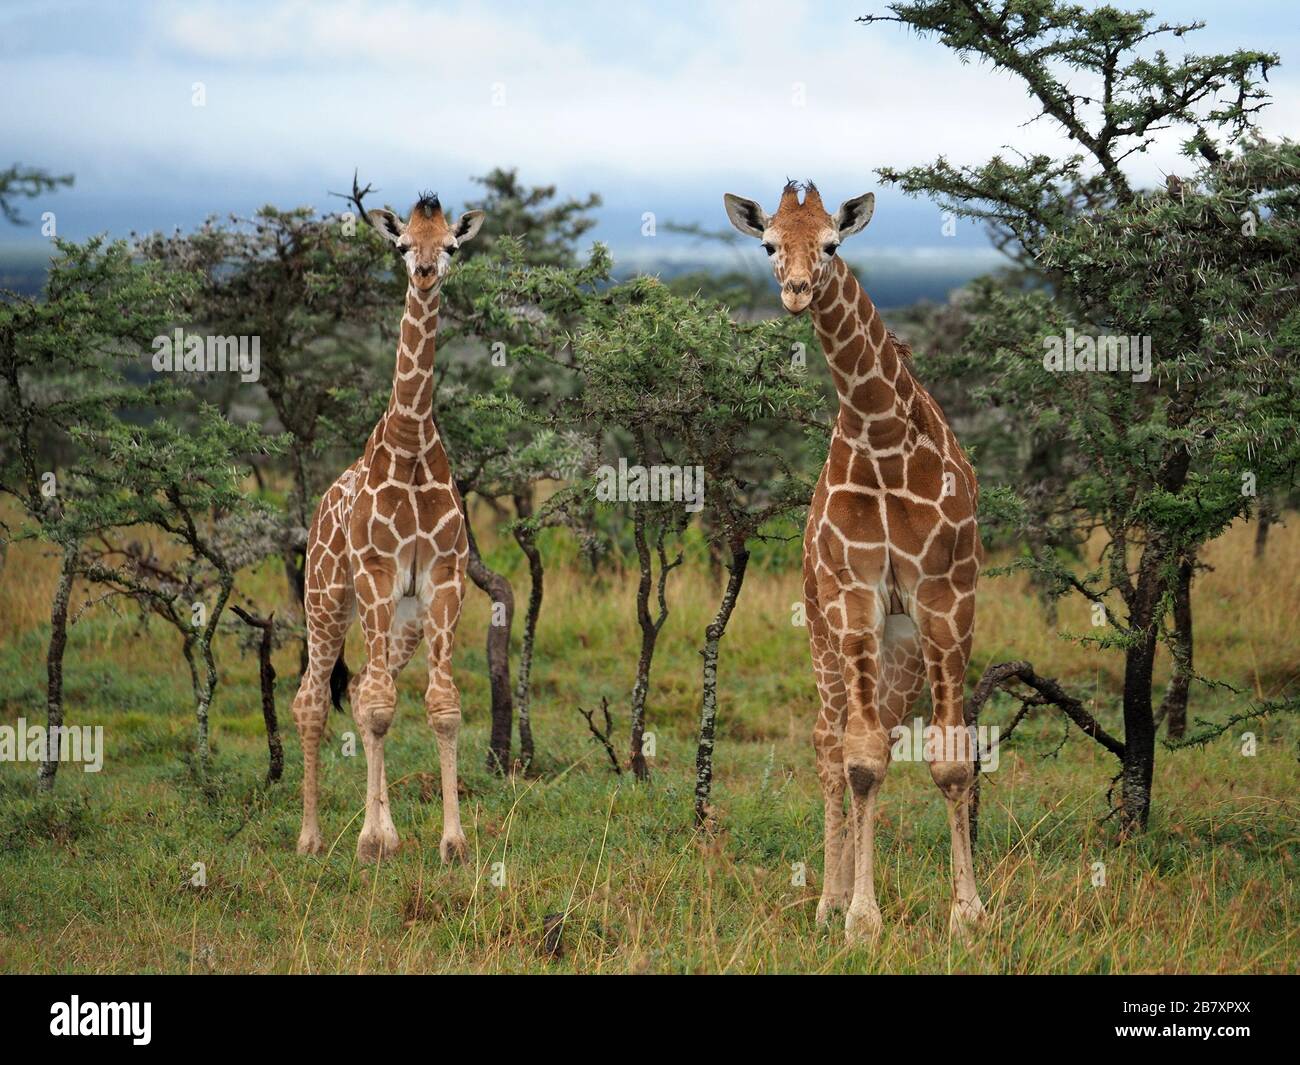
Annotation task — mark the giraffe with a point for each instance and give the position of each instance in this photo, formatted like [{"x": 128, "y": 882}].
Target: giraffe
[
  {"x": 891, "y": 556},
  {"x": 389, "y": 543}
]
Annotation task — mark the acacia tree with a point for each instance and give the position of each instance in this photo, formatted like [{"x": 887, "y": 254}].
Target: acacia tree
[
  {"x": 1158, "y": 467},
  {"x": 512, "y": 305},
  {"x": 629, "y": 359},
  {"x": 315, "y": 290},
  {"x": 688, "y": 387},
  {"x": 61, "y": 374},
  {"x": 186, "y": 482},
  {"x": 760, "y": 435}
]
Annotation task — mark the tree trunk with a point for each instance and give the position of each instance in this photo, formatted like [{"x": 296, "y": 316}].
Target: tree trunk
[
  {"x": 527, "y": 541},
  {"x": 1267, "y": 519},
  {"x": 498, "y": 589},
  {"x": 274, "y": 748},
  {"x": 266, "y": 673},
  {"x": 1139, "y": 736},
  {"x": 54, "y": 670},
  {"x": 206, "y": 682},
  {"x": 649, "y": 636},
  {"x": 1139, "y": 719},
  {"x": 1174, "y": 707},
  {"x": 709, "y": 699}
]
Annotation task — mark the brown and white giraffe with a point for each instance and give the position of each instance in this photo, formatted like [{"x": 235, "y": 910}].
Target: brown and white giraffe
[
  {"x": 389, "y": 543},
  {"x": 891, "y": 557}
]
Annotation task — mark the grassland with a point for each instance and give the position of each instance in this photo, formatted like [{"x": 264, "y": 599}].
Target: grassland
[{"x": 98, "y": 877}]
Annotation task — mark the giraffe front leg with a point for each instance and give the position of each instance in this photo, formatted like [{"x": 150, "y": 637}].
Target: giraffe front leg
[
  {"x": 945, "y": 619},
  {"x": 442, "y": 704},
  {"x": 373, "y": 707},
  {"x": 828, "y": 742},
  {"x": 405, "y": 639},
  {"x": 866, "y": 754}
]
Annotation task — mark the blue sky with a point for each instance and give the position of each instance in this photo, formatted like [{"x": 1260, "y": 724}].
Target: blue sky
[{"x": 660, "y": 107}]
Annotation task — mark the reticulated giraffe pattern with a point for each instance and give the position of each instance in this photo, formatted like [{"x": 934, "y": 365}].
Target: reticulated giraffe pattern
[
  {"x": 388, "y": 545},
  {"x": 891, "y": 558}
]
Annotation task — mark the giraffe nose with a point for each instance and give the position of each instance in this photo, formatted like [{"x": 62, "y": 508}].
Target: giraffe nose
[
  {"x": 424, "y": 271},
  {"x": 798, "y": 288}
]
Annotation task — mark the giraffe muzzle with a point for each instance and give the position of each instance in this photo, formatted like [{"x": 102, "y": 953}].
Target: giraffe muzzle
[{"x": 796, "y": 295}]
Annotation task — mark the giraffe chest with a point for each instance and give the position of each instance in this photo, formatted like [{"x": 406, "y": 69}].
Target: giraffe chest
[
  {"x": 411, "y": 527},
  {"x": 886, "y": 520}
]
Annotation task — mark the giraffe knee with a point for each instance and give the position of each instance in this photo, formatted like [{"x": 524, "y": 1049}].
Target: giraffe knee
[
  {"x": 866, "y": 760},
  {"x": 374, "y": 701},
  {"x": 865, "y": 776},
  {"x": 444, "y": 719},
  {"x": 953, "y": 778}
]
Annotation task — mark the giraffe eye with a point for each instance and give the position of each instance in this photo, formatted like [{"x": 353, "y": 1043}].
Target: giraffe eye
[
  {"x": 451, "y": 251},
  {"x": 768, "y": 248},
  {"x": 831, "y": 248}
]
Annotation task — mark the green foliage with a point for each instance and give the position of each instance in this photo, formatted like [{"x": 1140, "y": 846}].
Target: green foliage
[
  {"x": 677, "y": 381},
  {"x": 64, "y": 362},
  {"x": 28, "y": 182},
  {"x": 315, "y": 290},
  {"x": 547, "y": 231}
]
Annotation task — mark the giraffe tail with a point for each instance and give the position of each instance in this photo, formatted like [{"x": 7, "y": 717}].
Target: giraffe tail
[{"x": 339, "y": 677}]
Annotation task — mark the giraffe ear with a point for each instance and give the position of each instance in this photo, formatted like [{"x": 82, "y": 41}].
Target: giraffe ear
[
  {"x": 746, "y": 215},
  {"x": 468, "y": 224},
  {"x": 388, "y": 224},
  {"x": 854, "y": 214}
]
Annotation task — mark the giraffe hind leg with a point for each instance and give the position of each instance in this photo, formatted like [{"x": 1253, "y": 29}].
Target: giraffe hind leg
[
  {"x": 945, "y": 619},
  {"x": 328, "y": 614}
]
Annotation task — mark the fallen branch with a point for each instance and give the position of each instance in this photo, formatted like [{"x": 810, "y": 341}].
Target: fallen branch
[
  {"x": 1049, "y": 693},
  {"x": 603, "y": 736}
]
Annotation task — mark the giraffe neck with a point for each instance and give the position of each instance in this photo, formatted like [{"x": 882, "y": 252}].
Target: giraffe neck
[
  {"x": 407, "y": 425},
  {"x": 862, "y": 356}
]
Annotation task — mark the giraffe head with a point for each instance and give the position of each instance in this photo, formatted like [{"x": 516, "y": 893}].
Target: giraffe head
[
  {"x": 428, "y": 239},
  {"x": 801, "y": 239}
]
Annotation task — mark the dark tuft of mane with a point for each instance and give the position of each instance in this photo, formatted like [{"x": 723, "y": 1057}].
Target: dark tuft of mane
[
  {"x": 797, "y": 187},
  {"x": 428, "y": 203}
]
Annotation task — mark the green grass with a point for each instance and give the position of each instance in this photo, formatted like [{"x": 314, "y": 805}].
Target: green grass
[{"x": 97, "y": 878}]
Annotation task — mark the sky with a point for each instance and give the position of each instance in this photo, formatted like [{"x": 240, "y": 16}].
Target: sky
[{"x": 661, "y": 107}]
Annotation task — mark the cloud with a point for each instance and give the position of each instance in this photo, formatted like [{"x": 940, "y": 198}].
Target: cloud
[{"x": 610, "y": 97}]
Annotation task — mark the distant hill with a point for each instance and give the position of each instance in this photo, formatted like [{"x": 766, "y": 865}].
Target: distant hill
[
  {"x": 893, "y": 277},
  {"x": 23, "y": 267}
]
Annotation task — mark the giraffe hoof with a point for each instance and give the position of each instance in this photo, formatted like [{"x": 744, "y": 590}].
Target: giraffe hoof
[
  {"x": 967, "y": 915},
  {"x": 454, "y": 849},
  {"x": 828, "y": 906},
  {"x": 863, "y": 926},
  {"x": 311, "y": 843},
  {"x": 372, "y": 846}
]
